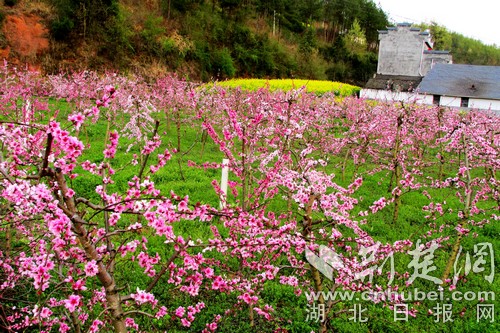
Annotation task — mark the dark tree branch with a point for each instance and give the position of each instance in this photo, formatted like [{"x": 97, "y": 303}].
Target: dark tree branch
[{"x": 143, "y": 166}]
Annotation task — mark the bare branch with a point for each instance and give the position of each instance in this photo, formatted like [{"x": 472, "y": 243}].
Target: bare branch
[
  {"x": 45, "y": 170},
  {"x": 143, "y": 166},
  {"x": 138, "y": 312}
]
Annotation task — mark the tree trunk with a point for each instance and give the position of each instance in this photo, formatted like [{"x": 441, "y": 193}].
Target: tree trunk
[
  {"x": 463, "y": 222},
  {"x": 107, "y": 280},
  {"x": 396, "y": 173},
  {"x": 318, "y": 284}
]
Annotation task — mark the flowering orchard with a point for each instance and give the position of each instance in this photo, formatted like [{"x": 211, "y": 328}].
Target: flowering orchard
[{"x": 128, "y": 253}]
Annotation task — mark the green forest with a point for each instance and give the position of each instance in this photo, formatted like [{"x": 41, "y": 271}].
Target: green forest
[{"x": 218, "y": 39}]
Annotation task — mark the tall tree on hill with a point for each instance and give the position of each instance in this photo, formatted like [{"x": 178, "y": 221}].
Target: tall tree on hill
[
  {"x": 372, "y": 19},
  {"x": 442, "y": 37},
  {"x": 84, "y": 17}
]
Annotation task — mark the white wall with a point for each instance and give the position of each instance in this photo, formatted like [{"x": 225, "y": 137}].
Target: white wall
[
  {"x": 401, "y": 51},
  {"x": 449, "y": 101},
  {"x": 452, "y": 102},
  {"x": 484, "y": 104},
  {"x": 392, "y": 96},
  {"x": 474, "y": 103}
]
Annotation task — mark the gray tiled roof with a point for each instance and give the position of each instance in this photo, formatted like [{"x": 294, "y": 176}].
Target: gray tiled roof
[
  {"x": 462, "y": 81},
  {"x": 393, "y": 82}
]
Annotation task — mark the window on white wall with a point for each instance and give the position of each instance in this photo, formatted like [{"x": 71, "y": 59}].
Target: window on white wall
[
  {"x": 436, "y": 99},
  {"x": 464, "y": 102}
]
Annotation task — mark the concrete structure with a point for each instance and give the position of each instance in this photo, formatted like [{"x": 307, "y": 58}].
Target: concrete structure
[
  {"x": 402, "y": 51},
  {"x": 405, "y": 56},
  {"x": 410, "y": 71},
  {"x": 433, "y": 57}
]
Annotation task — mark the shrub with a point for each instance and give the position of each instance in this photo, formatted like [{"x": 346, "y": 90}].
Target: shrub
[
  {"x": 223, "y": 63},
  {"x": 3, "y": 41},
  {"x": 151, "y": 34},
  {"x": 62, "y": 27},
  {"x": 10, "y": 3},
  {"x": 168, "y": 46},
  {"x": 118, "y": 34}
]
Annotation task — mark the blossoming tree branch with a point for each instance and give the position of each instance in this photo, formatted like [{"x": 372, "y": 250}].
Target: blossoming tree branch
[{"x": 86, "y": 258}]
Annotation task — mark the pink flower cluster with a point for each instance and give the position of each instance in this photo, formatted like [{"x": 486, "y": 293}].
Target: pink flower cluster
[
  {"x": 191, "y": 311},
  {"x": 110, "y": 150},
  {"x": 72, "y": 302},
  {"x": 142, "y": 297}
]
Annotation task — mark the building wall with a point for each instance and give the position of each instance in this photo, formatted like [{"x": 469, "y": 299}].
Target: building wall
[
  {"x": 401, "y": 51},
  {"x": 484, "y": 104},
  {"x": 453, "y": 102},
  {"x": 474, "y": 103},
  {"x": 430, "y": 59},
  {"x": 448, "y": 101},
  {"x": 393, "y": 96}
]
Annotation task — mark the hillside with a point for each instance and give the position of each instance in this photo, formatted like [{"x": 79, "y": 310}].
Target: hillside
[{"x": 208, "y": 40}]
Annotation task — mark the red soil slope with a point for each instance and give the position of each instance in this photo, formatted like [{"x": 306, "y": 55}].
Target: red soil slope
[{"x": 27, "y": 38}]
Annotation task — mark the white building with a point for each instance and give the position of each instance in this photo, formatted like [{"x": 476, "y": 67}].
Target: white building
[
  {"x": 410, "y": 71},
  {"x": 466, "y": 86}
]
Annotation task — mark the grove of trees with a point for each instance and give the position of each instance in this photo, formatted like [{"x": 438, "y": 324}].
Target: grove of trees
[
  {"x": 218, "y": 39},
  {"x": 101, "y": 230}
]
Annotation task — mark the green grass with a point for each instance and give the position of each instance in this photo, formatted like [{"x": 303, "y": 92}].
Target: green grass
[
  {"x": 177, "y": 176},
  {"x": 195, "y": 182}
]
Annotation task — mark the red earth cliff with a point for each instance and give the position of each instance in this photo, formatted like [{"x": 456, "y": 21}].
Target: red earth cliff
[{"x": 26, "y": 37}]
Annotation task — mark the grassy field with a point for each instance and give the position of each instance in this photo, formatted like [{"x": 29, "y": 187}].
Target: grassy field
[{"x": 195, "y": 182}]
